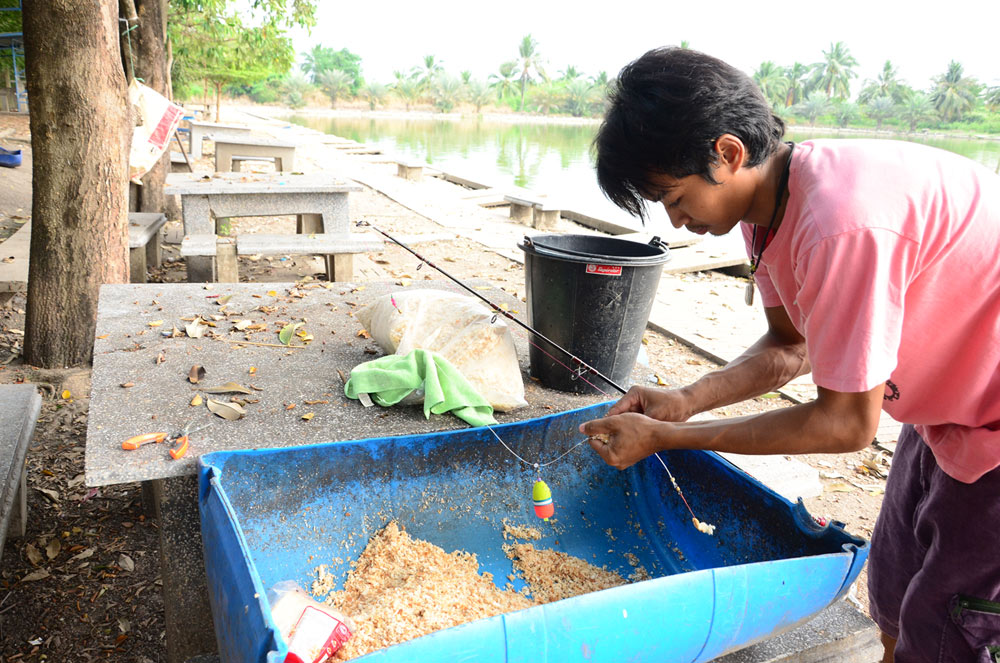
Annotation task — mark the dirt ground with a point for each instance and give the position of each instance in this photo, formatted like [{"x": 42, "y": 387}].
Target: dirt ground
[{"x": 83, "y": 584}]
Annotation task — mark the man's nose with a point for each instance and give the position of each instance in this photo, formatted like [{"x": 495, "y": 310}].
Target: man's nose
[{"x": 677, "y": 218}]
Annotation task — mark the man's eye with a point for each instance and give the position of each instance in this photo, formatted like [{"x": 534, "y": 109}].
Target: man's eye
[{"x": 673, "y": 203}]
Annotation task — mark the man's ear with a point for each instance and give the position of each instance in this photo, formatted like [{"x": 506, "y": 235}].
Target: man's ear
[{"x": 730, "y": 152}]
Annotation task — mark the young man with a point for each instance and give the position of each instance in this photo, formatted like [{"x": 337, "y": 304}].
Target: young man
[{"x": 878, "y": 265}]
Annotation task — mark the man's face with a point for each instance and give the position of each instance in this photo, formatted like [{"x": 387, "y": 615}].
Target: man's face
[{"x": 699, "y": 205}]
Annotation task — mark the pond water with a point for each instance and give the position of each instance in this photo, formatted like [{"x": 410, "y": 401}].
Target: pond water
[{"x": 547, "y": 158}]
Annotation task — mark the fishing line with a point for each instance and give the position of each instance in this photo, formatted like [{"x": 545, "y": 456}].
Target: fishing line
[{"x": 701, "y": 526}]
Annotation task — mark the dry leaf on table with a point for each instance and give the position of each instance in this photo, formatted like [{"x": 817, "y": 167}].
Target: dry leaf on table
[{"x": 285, "y": 335}]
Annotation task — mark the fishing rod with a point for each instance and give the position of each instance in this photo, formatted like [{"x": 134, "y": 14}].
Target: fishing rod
[
  {"x": 573, "y": 358},
  {"x": 543, "y": 500}
]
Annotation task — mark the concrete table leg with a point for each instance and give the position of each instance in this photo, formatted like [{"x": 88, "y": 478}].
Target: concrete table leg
[
  {"x": 154, "y": 253},
  {"x": 521, "y": 212},
  {"x": 308, "y": 224},
  {"x": 197, "y": 214},
  {"x": 137, "y": 265},
  {"x": 340, "y": 267},
  {"x": 226, "y": 262},
  {"x": 18, "y": 523},
  {"x": 189, "y": 627}
]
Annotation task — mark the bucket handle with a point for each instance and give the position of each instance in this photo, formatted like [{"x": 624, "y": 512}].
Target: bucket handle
[{"x": 658, "y": 243}]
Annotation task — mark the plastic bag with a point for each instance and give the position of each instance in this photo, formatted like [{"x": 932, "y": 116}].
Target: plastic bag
[
  {"x": 157, "y": 120},
  {"x": 313, "y": 631},
  {"x": 459, "y": 328}
]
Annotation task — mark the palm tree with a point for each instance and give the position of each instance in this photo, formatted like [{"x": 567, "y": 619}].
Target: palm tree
[
  {"x": 580, "y": 97},
  {"x": 427, "y": 72},
  {"x": 816, "y": 104},
  {"x": 570, "y": 73},
  {"x": 334, "y": 84},
  {"x": 844, "y": 112},
  {"x": 408, "y": 90},
  {"x": 503, "y": 82},
  {"x": 796, "y": 76},
  {"x": 296, "y": 86},
  {"x": 886, "y": 84},
  {"x": 833, "y": 75},
  {"x": 528, "y": 63},
  {"x": 546, "y": 97},
  {"x": 317, "y": 61},
  {"x": 478, "y": 93},
  {"x": 992, "y": 97},
  {"x": 879, "y": 109},
  {"x": 374, "y": 94},
  {"x": 771, "y": 80},
  {"x": 447, "y": 92},
  {"x": 954, "y": 94},
  {"x": 917, "y": 107}
]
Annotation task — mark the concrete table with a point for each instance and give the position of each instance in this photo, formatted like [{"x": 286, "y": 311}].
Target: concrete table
[
  {"x": 127, "y": 350},
  {"x": 229, "y": 152},
  {"x": 213, "y": 130},
  {"x": 319, "y": 201}
]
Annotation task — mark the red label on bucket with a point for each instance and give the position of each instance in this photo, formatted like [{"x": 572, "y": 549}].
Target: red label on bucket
[{"x": 605, "y": 270}]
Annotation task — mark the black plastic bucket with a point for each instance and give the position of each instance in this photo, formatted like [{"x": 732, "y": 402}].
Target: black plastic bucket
[{"x": 591, "y": 295}]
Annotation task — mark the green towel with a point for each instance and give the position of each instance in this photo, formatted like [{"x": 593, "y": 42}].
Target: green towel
[{"x": 392, "y": 378}]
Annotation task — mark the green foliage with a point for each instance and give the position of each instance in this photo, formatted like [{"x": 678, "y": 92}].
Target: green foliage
[
  {"x": 374, "y": 94},
  {"x": 815, "y": 105},
  {"x": 446, "y": 92},
  {"x": 322, "y": 59},
  {"x": 335, "y": 84},
  {"x": 479, "y": 94},
  {"x": 834, "y": 73},
  {"x": 529, "y": 64},
  {"x": 880, "y": 109},
  {"x": 954, "y": 94}
]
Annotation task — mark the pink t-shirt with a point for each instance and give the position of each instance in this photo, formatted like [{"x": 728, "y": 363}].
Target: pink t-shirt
[{"x": 888, "y": 262}]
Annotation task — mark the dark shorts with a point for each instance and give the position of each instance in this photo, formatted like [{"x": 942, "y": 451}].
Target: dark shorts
[{"x": 934, "y": 567}]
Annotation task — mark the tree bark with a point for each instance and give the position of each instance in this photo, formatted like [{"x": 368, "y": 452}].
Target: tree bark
[
  {"x": 148, "y": 44},
  {"x": 80, "y": 135}
]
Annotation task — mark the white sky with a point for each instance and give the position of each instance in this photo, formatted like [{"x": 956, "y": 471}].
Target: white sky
[{"x": 919, "y": 38}]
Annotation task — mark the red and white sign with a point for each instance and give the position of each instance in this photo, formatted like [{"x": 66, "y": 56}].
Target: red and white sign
[{"x": 605, "y": 270}]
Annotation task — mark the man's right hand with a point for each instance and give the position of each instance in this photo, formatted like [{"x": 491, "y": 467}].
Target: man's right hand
[{"x": 660, "y": 404}]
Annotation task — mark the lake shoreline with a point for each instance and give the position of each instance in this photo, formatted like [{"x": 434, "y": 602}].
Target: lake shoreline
[{"x": 527, "y": 118}]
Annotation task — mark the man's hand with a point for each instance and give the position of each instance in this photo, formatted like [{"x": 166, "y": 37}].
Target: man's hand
[
  {"x": 662, "y": 404},
  {"x": 623, "y": 440}
]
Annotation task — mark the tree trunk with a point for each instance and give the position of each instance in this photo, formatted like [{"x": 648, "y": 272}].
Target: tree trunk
[
  {"x": 218, "y": 100},
  {"x": 80, "y": 135},
  {"x": 148, "y": 41}
]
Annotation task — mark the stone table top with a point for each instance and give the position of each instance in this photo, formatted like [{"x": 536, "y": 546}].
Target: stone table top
[
  {"x": 218, "y": 125},
  {"x": 257, "y": 142},
  {"x": 240, "y": 183},
  {"x": 130, "y": 349}
]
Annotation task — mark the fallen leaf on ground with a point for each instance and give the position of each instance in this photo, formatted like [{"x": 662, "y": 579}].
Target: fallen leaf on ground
[
  {"x": 228, "y": 411},
  {"x": 52, "y": 548},
  {"x": 40, "y": 574},
  {"x": 155, "y": 323},
  {"x": 838, "y": 487},
  {"x": 126, "y": 385},
  {"x": 197, "y": 400},
  {"x": 125, "y": 562},
  {"x": 196, "y": 373},
  {"x": 285, "y": 335},
  {"x": 196, "y": 328},
  {"x": 228, "y": 388},
  {"x": 307, "y": 416},
  {"x": 32, "y": 554}
]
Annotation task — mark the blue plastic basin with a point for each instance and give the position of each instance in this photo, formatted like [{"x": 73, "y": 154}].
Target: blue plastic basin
[{"x": 276, "y": 514}]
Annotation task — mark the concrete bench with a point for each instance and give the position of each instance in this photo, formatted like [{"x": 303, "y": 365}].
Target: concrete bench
[
  {"x": 178, "y": 164},
  {"x": 229, "y": 148},
  {"x": 410, "y": 170},
  {"x": 213, "y": 131},
  {"x": 144, "y": 243},
  {"x": 536, "y": 210},
  {"x": 238, "y": 162},
  {"x": 337, "y": 248},
  {"x": 19, "y": 408}
]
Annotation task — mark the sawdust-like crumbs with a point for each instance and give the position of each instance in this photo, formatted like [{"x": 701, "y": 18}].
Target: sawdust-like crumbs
[{"x": 401, "y": 588}]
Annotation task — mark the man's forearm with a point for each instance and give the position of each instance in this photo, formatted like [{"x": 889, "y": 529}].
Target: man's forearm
[{"x": 767, "y": 365}]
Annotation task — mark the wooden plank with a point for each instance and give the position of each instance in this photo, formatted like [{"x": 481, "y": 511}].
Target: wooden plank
[{"x": 711, "y": 253}]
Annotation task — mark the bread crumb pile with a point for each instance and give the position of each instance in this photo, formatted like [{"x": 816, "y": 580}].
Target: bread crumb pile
[
  {"x": 553, "y": 575},
  {"x": 402, "y": 588},
  {"x": 520, "y": 532}
]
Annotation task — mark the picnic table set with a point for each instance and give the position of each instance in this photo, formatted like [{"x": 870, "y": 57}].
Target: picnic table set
[{"x": 297, "y": 437}]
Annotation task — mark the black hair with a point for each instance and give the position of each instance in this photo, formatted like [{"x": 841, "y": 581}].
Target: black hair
[{"x": 665, "y": 112}]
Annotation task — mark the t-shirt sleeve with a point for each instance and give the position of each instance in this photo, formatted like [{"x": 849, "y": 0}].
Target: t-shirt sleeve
[{"x": 851, "y": 297}]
